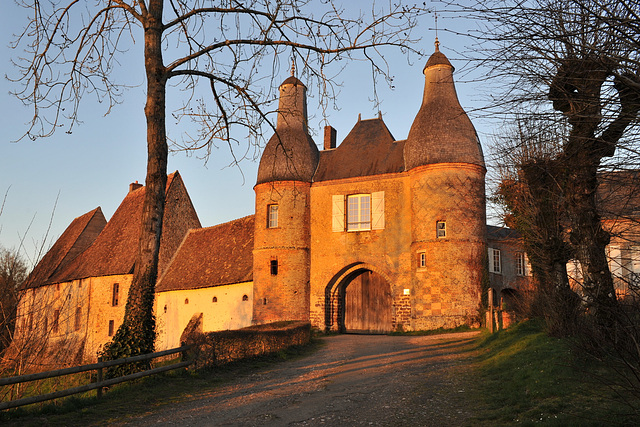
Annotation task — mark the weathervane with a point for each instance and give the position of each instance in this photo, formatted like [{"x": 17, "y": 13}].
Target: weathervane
[{"x": 437, "y": 42}]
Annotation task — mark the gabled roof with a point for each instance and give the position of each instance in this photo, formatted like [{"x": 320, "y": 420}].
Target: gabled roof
[
  {"x": 114, "y": 250},
  {"x": 212, "y": 256},
  {"x": 369, "y": 149},
  {"x": 78, "y": 236}
]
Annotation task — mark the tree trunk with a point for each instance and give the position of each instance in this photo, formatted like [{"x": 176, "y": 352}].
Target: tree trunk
[{"x": 136, "y": 335}]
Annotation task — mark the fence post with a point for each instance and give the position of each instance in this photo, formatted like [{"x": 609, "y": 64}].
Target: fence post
[{"x": 99, "y": 389}]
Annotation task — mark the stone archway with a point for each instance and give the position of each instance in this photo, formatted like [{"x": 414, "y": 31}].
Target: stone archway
[{"x": 359, "y": 300}]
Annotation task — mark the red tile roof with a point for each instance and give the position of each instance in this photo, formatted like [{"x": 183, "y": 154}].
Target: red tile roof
[
  {"x": 114, "y": 251},
  {"x": 78, "y": 236},
  {"x": 212, "y": 256}
]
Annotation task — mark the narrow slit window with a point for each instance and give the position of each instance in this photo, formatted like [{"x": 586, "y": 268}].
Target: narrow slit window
[
  {"x": 422, "y": 259},
  {"x": 111, "y": 327},
  {"x": 115, "y": 295},
  {"x": 441, "y": 229},
  {"x": 78, "y": 320},
  {"x": 274, "y": 267}
]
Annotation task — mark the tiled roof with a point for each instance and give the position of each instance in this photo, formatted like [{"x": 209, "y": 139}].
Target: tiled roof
[
  {"x": 369, "y": 149},
  {"x": 212, "y": 256},
  {"x": 78, "y": 236},
  {"x": 441, "y": 131},
  {"x": 501, "y": 233},
  {"x": 114, "y": 251}
]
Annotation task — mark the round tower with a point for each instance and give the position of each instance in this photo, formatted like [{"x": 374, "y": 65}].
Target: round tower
[
  {"x": 281, "y": 262},
  {"x": 446, "y": 169}
]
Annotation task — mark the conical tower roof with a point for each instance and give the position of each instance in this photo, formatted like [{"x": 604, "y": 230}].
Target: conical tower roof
[
  {"x": 290, "y": 154},
  {"x": 441, "y": 131}
]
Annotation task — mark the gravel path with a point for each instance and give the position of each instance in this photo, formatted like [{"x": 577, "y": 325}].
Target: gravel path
[{"x": 352, "y": 380}]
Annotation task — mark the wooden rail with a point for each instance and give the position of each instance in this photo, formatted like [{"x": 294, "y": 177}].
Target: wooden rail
[{"x": 98, "y": 385}]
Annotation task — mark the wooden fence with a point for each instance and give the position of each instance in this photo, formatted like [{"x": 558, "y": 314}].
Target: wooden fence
[{"x": 98, "y": 385}]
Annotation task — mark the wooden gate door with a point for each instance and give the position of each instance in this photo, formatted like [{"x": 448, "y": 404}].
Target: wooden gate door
[{"x": 368, "y": 304}]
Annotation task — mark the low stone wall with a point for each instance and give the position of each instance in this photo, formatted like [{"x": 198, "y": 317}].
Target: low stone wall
[{"x": 218, "y": 348}]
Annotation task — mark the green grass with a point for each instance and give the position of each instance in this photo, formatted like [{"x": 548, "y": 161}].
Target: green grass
[{"x": 526, "y": 377}]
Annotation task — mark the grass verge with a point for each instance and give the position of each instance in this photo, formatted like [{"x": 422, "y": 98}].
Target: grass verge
[
  {"x": 127, "y": 401},
  {"x": 526, "y": 377}
]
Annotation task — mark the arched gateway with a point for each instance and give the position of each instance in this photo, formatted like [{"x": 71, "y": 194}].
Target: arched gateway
[{"x": 359, "y": 300}]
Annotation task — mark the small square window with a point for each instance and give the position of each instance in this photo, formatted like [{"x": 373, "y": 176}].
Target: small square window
[
  {"x": 274, "y": 267},
  {"x": 272, "y": 214},
  {"x": 441, "y": 229}
]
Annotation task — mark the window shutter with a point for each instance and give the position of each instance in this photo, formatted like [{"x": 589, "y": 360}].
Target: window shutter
[
  {"x": 377, "y": 210},
  {"x": 615, "y": 261},
  {"x": 490, "y": 257},
  {"x": 635, "y": 259},
  {"x": 337, "y": 214},
  {"x": 527, "y": 265}
]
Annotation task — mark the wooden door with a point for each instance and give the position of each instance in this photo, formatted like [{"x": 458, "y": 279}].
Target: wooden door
[{"x": 368, "y": 304}]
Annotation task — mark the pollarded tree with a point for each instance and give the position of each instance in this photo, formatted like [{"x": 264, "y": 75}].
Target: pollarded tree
[
  {"x": 576, "y": 61},
  {"x": 72, "y": 47}
]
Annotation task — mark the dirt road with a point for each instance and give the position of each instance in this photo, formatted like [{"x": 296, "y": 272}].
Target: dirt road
[{"x": 352, "y": 380}]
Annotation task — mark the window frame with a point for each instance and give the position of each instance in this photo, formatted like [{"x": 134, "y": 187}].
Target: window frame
[
  {"x": 521, "y": 264},
  {"x": 358, "y": 214},
  {"x": 272, "y": 215},
  {"x": 421, "y": 259},
  {"x": 273, "y": 266},
  {"x": 495, "y": 255},
  {"x": 442, "y": 229}
]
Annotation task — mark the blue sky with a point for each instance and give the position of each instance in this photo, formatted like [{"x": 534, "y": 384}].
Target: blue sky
[{"x": 94, "y": 165}]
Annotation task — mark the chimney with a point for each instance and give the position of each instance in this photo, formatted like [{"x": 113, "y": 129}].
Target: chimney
[
  {"x": 134, "y": 186},
  {"x": 329, "y": 138}
]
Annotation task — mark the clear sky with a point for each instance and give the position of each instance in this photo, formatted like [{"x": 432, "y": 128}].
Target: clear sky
[{"x": 94, "y": 165}]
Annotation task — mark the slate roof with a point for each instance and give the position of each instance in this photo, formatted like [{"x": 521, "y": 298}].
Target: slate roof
[
  {"x": 501, "y": 233},
  {"x": 114, "y": 250},
  {"x": 618, "y": 194},
  {"x": 213, "y": 256},
  {"x": 441, "y": 131},
  {"x": 78, "y": 236},
  {"x": 369, "y": 149}
]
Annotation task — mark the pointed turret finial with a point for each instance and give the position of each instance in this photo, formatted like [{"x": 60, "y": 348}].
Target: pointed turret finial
[
  {"x": 293, "y": 67},
  {"x": 437, "y": 42}
]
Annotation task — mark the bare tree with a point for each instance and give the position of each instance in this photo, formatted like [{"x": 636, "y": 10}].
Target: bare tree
[
  {"x": 13, "y": 273},
  {"x": 579, "y": 61},
  {"x": 526, "y": 160},
  {"x": 73, "y": 47}
]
